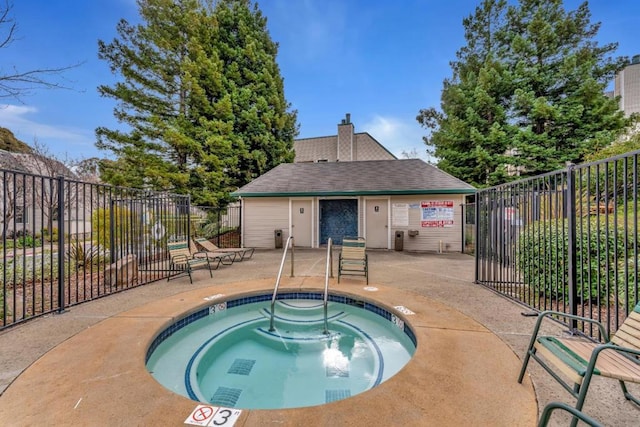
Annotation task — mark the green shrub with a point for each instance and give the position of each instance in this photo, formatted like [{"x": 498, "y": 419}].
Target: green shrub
[
  {"x": 542, "y": 257},
  {"x": 18, "y": 271},
  {"x": 83, "y": 254},
  {"x": 50, "y": 237},
  {"x": 101, "y": 225}
]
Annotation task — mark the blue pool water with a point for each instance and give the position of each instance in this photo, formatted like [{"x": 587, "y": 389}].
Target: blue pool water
[{"x": 225, "y": 354}]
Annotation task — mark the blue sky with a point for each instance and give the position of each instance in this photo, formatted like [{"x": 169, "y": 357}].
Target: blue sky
[{"x": 380, "y": 60}]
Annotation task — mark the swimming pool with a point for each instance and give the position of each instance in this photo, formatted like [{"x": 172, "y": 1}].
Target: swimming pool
[{"x": 224, "y": 354}]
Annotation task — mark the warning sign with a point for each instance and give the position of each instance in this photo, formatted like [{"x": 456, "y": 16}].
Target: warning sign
[
  {"x": 437, "y": 213},
  {"x": 205, "y": 415}
]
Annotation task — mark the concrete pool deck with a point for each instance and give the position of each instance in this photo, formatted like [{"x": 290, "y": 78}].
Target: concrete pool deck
[{"x": 86, "y": 366}]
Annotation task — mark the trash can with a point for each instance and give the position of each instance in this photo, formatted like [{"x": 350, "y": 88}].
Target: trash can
[
  {"x": 277, "y": 235},
  {"x": 399, "y": 243}
]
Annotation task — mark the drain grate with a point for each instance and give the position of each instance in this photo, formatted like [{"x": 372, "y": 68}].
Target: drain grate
[
  {"x": 241, "y": 366},
  {"x": 333, "y": 395},
  {"x": 334, "y": 371},
  {"x": 225, "y": 396}
]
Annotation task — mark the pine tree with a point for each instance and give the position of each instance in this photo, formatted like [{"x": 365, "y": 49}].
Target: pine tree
[
  {"x": 561, "y": 74},
  {"x": 527, "y": 93},
  {"x": 263, "y": 128},
  {"x": 471, "y": 132},
  {"x": 182, "y": 98}
]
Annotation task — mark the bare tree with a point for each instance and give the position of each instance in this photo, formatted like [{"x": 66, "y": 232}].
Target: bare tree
[
  {"x": 13, "y": 192},
  {"x": 412, "y": 154},
  {"x": 47, "y": 165},
  {"x": 14, "y": 82}
]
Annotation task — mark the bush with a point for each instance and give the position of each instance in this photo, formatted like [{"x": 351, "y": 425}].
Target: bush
[
  {"x": 84, "y": 254},
  {"x": 50, "y": 237},
  {"x": 542, "y": 257}
]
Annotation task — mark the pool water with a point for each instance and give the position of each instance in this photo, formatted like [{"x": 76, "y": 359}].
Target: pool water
[{"x": 230, "y": 358}]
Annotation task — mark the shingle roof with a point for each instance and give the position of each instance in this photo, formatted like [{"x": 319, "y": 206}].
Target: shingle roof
[{"x": 409, "y": 176}]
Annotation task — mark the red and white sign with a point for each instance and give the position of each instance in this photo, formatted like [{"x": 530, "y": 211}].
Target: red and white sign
[
  {"x": 205, "y": 415},
  {"x": 437, "y": 213}
]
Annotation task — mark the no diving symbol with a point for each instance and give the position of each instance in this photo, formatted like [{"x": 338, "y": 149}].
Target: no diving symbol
[
  {"x": 201, "y": 415},
  {"x": 205, "y": 415}
]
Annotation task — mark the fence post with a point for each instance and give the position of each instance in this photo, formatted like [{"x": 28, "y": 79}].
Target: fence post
[
  {"x": 476, "y": 238},
  {"x": 571, "y": 242},
  {"x": 240, "y": 224},
  {"x": 219, "y": 227},
  {"x": 188, "y": 218},
  {"x": 61, "y": 217},
  {"x": 464, "y": 225}
]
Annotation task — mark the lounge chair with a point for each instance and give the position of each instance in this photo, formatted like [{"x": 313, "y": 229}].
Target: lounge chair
[
  {"x": 183, "y": 260},
  {"x": 239, "y": 254},
  {"x": 224, "y": 258},
  {"x": 579, "y": 359},
  {"x": 353, "y": 259}
]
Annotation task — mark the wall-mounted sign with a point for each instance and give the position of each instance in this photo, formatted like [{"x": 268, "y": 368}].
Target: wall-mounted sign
[
  {"x": 400, "y": 215},
  {"x": 437, "y": 213}
]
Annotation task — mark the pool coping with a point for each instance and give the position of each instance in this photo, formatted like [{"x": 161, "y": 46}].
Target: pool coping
[{"x": 461, "y": 372}]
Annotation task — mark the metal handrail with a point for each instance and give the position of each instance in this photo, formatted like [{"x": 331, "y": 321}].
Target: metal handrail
[
  {"x": 275, "y": 288},
  {"x": 326, "y": 283}
]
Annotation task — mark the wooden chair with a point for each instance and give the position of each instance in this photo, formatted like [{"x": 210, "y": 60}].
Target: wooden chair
[
  {"x": 353, "y": 259},
  {"x": 183, "y": 260},
  {"x": 239, "y": 254},
  {"x": 579, "y": 359}
]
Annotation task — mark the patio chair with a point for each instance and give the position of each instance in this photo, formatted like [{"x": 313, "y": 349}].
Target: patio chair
[
  {"x": 182, "y": 259},
  {"x": 552, "y": 406},
  {"x": 224, "y": 258},
  {"x": 239, "y": 254},
  {"x": 353, "y": 259},
  {"x": 579, "y": 359}
]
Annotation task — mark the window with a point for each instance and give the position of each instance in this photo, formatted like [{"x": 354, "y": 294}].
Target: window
[{"x": 22, "y": 215}]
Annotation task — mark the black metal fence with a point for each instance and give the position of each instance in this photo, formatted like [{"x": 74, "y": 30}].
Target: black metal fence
[
  {"x": 469, "y": 228},
  {"x": 65, "y": 242},
  {"x": 565, "y": 241},
  {"x": 222, "y": 226}
]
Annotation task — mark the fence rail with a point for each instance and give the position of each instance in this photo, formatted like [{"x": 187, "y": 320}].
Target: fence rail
[
  {"x": 566, "y": 241},
  {"x": 65, "y": 241}
]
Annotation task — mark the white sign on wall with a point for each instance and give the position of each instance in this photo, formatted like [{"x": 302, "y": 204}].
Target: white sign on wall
[
  {"x": 437, "y": 213},
  {"x": 400, "y": 215}
]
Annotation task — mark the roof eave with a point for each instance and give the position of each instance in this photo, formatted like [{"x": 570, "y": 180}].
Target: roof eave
[{"x": 355, "y": 193}]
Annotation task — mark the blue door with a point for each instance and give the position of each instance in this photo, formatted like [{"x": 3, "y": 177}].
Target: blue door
[{"x": 338, "y": 218}]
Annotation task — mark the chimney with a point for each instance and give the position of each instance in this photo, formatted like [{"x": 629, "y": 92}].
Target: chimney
[{"x": 345, "y": 140}]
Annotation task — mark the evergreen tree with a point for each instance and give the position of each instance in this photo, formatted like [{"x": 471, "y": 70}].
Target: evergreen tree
[
  {"x": 527, "y": 93},
  {"x": 471, "y": 132},
  {"x": 561, "y": 74},
  {"x": 263, "y": 129},
  {"x": 181, "y": 99}
]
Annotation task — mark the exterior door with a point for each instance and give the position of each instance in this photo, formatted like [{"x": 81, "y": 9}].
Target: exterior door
[
  {"x": 377, "y": 219},
  {"x": 338, "y": 218},
  {"x": 301, "y": 222}
]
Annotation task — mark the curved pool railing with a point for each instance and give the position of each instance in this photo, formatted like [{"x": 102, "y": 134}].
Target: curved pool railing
[
  {"x": 275, "y": 288},
  {"x": 326, "y": 283}
]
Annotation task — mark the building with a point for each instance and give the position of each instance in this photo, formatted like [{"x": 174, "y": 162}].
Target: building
[
  {"x": 350, "y": 185},
  {"x": 346, "y": 146},
  {"x": 29, "y": 195},
  {"x": 627, "y": 87}
]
